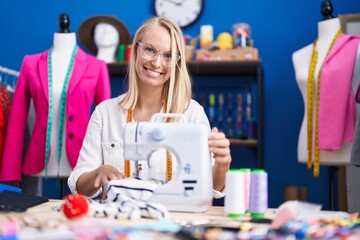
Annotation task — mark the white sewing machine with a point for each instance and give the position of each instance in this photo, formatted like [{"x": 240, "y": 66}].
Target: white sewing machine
[{"x": 190, "y": 189}]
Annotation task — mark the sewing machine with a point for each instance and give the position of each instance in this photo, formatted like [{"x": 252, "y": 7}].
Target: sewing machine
[{"x": 190, "y": 189}]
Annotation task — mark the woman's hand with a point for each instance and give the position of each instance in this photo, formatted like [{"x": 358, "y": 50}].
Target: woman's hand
[
  {"x": 220, "y": 147},
  {"x": 90, "y": 182},
  {"x": 104, "y": 174}
]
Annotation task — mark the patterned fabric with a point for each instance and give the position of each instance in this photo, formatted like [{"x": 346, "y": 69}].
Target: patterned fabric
[
  {"x": 5, "y": 99},
  {"x": 5, "y": 103},
  {"x": 127, "y": 198}
]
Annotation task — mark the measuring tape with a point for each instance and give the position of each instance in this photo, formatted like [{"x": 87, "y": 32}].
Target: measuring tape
[
  {"x": 310, "y": 107},
  {"x": 169, "y": 168}
]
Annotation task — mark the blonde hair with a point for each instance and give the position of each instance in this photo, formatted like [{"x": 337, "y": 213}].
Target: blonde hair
[{"x": 177, "y": 90}]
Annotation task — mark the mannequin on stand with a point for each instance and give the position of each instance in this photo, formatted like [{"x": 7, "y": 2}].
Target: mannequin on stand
[
  {"x": 62, "y": 82},
  {"x": 327, "y": 29},
  {"x": 331, "y": 102},
  {"x": 64, "y": 42}
]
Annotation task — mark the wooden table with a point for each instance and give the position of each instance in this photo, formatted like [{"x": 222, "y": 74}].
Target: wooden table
[
  {"x": 42, "y": 222},
  {"x": 42, "y": 219}
]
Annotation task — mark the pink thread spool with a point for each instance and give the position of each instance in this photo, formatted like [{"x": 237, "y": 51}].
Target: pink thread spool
[
  {"x": 247, "y": 178},
  {"x": 127, "y": 53}
]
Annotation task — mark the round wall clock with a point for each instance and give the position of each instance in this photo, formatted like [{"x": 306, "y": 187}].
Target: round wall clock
[{"x": 183, "y": 12}]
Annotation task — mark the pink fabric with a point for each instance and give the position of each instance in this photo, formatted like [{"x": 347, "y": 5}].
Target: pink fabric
[
  {"x": 337, "y": 107},
  {"x": 89, "y": 81}
]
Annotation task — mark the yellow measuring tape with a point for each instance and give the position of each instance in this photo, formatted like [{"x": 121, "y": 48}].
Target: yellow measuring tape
[
  {"x": 169, "y": 168},
  {"x": 311, "y": 88}
]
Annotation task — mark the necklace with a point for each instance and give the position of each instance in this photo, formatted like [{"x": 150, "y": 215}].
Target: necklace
[
  {"x": 62, "y": 107},
  {"x": 310, "y": 97},
  {"x": 169, "y": 169}
]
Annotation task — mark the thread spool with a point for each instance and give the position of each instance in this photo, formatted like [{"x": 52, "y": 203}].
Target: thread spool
[
  {"x": 121, "y": 53},
  {"x": 247, "y": 181},
  {"x": 234, "y": 203},
  {"x": 258, "y": 193},
  {"x": 9, "y": 229},
  {"x": 206, "y": 36},
  {"x": 251, "y": 128},
  {"x": 127, "y": 53}
]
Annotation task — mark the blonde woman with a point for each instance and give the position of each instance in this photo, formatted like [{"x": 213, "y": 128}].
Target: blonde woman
[{"x": 158, "y": 82}]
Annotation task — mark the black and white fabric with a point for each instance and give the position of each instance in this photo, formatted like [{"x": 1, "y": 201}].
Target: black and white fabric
[{"x": 127, "y": 198}]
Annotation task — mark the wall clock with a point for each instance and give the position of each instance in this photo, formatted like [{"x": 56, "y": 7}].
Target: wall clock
[{"x": 183, "y": 12}]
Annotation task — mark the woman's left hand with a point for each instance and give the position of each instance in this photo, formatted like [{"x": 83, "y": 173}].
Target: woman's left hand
[{"x": 220, "y": 147}]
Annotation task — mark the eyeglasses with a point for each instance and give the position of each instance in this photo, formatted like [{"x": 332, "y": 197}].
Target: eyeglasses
[{"x": 150, "y": 53}]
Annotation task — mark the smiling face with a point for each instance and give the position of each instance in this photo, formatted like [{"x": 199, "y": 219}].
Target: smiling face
[{"x": 153, "y": 73}]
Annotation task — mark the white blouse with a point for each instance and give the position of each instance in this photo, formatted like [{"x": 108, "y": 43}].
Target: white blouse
[{"x": 103, "y": 144}]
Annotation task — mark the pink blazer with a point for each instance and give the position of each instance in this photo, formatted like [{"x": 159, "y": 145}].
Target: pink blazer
[
  {"x": 89, "y": 81},
  {"x": 337, "y": 107}
]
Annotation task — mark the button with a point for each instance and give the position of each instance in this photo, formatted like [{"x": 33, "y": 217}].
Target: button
[
  {"x": 71, "y": 135},
  {"x": 71, "y": 118},
  {"x": 187, "y": 168},
  {"x": 112, "y": 145},
  {"x": 189, "y": 192},
  {"x": 158, "y": 133}
]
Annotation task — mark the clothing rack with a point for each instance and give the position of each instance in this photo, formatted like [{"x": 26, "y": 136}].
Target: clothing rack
[
  {"x": 9, "y": 71},
  {"x": 8, "y": 77}
]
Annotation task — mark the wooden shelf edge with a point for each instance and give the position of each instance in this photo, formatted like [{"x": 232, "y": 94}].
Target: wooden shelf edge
[
  {"x": 202, "y": 68},
  {"x": 247, "y": 142}
]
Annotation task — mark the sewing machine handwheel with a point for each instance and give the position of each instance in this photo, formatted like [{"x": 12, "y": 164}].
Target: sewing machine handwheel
[{"x": 158, "y": 133}]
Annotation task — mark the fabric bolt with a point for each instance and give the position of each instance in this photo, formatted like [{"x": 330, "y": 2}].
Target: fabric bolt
[{"x": 89, "y": 81}]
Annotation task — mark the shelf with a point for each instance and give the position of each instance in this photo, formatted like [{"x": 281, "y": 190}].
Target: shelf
[
  {"x": 223, "y": 68},
  {"x": 243, "y": 142},
  {"x": 202, "y": 68},
  {"x": 253, "y": 69}
]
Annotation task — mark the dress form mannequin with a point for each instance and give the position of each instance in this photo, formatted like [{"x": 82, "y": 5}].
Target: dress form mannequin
[
  {"x": 106, "y": 39},
  {"x": 327, "y": 29},
  {"x": 63, "y": 44},
  {"x": 87, "y": 83}
]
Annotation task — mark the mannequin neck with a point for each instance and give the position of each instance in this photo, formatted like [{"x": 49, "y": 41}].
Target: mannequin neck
[
  {"x": 107, "y": 54},
  {"x": 328, "y": 28},
  {"x": 64, "y": 41}
]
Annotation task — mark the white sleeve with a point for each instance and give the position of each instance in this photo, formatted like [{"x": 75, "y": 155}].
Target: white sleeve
[
  {"x": 218, "y": 194},
  {"x": 90, "y": 156}
]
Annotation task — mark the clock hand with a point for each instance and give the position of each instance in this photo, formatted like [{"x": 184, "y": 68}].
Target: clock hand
[{"x": 174, "y": 2}]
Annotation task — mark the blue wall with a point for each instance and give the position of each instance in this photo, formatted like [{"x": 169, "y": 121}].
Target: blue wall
[{"x": 279, "y": 28}]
